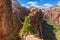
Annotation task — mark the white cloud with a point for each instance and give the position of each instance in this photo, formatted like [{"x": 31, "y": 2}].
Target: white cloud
[
  {"x": 25, "y": 5},
  {"x": 58, "y": 3},
  {"x": 44, "y": 6},
  {"x": 48, "y": 5},
  {"x": 34, "y": 4}
]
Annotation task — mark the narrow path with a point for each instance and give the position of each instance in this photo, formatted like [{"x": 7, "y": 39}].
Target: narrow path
[{"x": 31, "y": 37}]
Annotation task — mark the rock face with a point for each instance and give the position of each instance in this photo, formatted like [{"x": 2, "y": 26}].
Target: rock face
[
  {"x": 11, "y": 16},
  {"x": 19, "y": 14},
  {"x": 53, "y": 15},
  {"x": 19, "y": 10},
  {"x": 37, "y": 20},
  {"x": 5, "y": 19}
]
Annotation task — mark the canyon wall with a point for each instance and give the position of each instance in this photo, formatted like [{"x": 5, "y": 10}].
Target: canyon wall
[
  {"x": 19, "y": 13},
  {"x": 6, "y": 20},
  {"x": 53, "y": 15},
  {"x": 12, "y": 16},
  {"x": 37, "y": 21}
]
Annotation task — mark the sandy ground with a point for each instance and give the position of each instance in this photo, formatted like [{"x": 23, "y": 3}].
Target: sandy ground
[{"x": 31, "y": 37}]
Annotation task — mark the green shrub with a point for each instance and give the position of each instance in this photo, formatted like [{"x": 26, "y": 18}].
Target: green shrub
[{"x": 27, "y": 27}]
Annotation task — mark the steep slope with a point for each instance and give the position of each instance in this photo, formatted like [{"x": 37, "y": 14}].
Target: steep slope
[
  {"x": 33, "y": 24},
  {"x": 37, "y": 20},
  {"x": 19, "y": 14},
  {"x": 51, "y": 26},
  {"x": 53, "y": 15},
  {"x": 5, "y": 18},
  {"x": 11, "y": 18}
]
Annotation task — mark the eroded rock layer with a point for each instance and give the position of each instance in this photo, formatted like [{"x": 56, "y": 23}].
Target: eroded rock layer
[
  {"x": 53, "y": 15},
  {"x": 37, "y": 20}
]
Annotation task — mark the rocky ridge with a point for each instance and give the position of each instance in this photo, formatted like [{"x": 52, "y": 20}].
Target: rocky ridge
[{"x": 53, "y": 15}]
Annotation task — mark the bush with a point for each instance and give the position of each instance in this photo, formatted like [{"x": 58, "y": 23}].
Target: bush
[{"x": 27, "y": 27}]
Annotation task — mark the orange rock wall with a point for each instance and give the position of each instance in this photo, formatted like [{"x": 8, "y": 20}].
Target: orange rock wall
[{"x": 5, "y": 19}]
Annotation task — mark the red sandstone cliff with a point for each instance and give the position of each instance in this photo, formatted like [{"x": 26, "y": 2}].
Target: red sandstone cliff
[
  {"x": 5, "y": 19},
  {"x": 11, "y": 18},
  {"x": 53, "y": 15},
  {"x": 19, "y": 13},
  {"x": 37, "y": 20}
]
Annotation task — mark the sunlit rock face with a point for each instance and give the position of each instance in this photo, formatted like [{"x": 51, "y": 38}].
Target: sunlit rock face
[
  {"x": 19, "y": 10},
  {"x": 5, "y": 19},
  {"x": 53, "y": 15},
  {"x": 36, "y": 21}
]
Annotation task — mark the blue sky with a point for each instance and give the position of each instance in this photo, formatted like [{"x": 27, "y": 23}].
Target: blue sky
[{"x": 39, "y": 3}]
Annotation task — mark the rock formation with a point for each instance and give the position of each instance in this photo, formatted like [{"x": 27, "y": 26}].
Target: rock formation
[
  {"x": 19, "y": 13},
  {"x": 53, "y": 15},
  {"x": 6, "y": 23},
  {"x": 37, "y": 20},
  {"x": 11, "y": 16},
  {"x": 19, "y": 10}
]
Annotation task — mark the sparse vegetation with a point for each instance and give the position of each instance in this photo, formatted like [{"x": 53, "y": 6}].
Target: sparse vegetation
[
  {"x": 15, "y": 18},
  {"x": 56, "y": 29},
  {"x": 27, "y": 27}
]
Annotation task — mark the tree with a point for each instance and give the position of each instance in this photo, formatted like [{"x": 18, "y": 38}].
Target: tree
[{"x": 27, "y": 27}]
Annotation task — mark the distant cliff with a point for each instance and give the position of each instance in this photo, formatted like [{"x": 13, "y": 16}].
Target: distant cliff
[{"x": 53, "y": 14}]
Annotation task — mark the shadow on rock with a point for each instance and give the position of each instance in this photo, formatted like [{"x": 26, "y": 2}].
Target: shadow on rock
[{"x": 48, "y": 33}]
